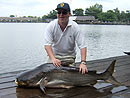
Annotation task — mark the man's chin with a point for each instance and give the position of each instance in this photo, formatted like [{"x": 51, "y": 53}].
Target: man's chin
[{"x": 62, "y": 21}]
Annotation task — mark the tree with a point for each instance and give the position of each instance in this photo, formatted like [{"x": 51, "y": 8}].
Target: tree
[
  {"x": 52, "y": 14},
  {"x": 30, "y": 17},
  {"x": 44, "y": 18},
  {"x": 108, "y": 16},
  {"x": 78, "y": 12},
  {"x": 102, "y": 16},
  {"x": 94, "y": 10},
  {"x": 117, "y": 13},
  {"x": 24, "y": 16},
  {"x": 12, "y": 15},
  {"x": 128, "y": 15},
  {"x": 123, "y": 16}
]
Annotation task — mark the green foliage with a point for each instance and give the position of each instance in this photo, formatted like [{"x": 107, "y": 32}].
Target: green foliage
[
  {"x": 52, "y": 15},
  {"x": 108, "y": 16},
  {"x": 94, "y": 10},
  {"x": 78, "y": 12},
  {"x": 114, "y": 15},
  {"x": 117, "y": 13},
  {"x": 123, "y": 16},
  {"x": 12, "y": 15},
  {"x": 30, "y": 16},
  {"x": 128, "y": 15},
  {"x": 44, "y": 17},
  {"x": 24, "y": 16}
]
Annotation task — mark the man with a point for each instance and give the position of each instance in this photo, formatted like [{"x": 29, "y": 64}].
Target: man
[{"x": 61, "y": 36}]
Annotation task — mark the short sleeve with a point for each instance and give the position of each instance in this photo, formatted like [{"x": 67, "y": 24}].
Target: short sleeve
[
  {"x": 48, "y": 36},
  {"x": 80, "y": 39}
]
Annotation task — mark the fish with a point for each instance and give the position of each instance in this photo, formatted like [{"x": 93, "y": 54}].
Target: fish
[
  {"x": 128, "y": 53},
  {"x": 49, "y": 76}
]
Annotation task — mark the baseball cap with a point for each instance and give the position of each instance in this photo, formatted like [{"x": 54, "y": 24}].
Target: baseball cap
[{"x": 64, "y": 6}]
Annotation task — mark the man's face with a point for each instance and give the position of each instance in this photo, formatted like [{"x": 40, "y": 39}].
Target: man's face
[{"x": 63, "y": 15}]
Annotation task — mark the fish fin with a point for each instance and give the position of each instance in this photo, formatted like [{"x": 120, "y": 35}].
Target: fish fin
[
  {"x": 107, "y": 75},
  {"x": 42, "y": 84},
  {"x": 128, "y": 53},
  {"x": 112, "y": 80},
  {"x": 110, "y": 69},
  {"x": 42, "y": 88}
]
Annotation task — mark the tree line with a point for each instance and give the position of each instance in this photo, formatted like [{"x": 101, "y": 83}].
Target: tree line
[{"x": 96, "y": 10}]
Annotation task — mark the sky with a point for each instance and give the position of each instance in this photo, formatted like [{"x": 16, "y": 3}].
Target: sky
[{"x": 39, "y": 8}]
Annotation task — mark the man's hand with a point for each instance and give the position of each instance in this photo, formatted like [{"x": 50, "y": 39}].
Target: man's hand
[
  {"x": 83, "y": 68},
  {"x": 56, "y": 62}
]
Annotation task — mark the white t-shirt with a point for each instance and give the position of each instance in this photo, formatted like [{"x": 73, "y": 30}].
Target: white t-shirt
[{"x": 64, "y": 43}]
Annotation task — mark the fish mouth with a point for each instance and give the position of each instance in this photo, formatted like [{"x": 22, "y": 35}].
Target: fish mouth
[
  {"x": 19, "y": 83},
  {"x": 16, "y": 81}
]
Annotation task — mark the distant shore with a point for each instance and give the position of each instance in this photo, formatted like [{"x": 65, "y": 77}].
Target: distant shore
[
  {"x": 105, "y": 23},
  {"x": 91, "y": 23}
]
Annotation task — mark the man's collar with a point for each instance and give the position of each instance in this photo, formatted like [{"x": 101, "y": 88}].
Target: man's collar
[{"x": 69, "y": 23}]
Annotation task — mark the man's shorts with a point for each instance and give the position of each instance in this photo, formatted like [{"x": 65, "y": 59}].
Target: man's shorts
[{"x": 65, "y": 60}]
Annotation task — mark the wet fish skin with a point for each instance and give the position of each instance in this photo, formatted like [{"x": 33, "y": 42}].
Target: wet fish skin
[{"x": 47, "y": 75}]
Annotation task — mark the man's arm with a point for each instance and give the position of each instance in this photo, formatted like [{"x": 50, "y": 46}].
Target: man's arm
[
  {"x": 83, "y": 67},
  {"x": 50, "y": 53},
  {"x": 83, "y": 54}
]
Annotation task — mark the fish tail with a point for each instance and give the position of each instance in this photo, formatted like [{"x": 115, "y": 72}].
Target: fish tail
[
  {"x": 108, "y": 74},
  {"x": 128, "y": 53}
]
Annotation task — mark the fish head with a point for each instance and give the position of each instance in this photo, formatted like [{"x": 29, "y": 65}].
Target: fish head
[{"x": 20, "y": 83}]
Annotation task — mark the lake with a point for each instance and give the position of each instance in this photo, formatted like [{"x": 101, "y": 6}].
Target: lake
[{"x": 21, "y": 44}]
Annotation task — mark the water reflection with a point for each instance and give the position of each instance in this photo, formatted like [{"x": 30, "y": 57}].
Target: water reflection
[{"x": 76, "y": 92}]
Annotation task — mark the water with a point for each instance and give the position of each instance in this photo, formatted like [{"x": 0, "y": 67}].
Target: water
[
  {"x": 21, "y": 44},
  {"x": 106, "y": 40}
]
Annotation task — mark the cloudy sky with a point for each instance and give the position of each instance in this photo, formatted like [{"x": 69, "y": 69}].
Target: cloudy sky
[{"x": 42, "y": 7}]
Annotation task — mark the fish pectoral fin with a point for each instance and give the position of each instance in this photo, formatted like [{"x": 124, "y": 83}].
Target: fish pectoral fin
[
  {"x": 42, "y": 84},
  {"x": 42, "y": 88}
]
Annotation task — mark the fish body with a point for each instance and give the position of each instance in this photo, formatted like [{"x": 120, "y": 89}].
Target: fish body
[{"x": 47, "y": 75}]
